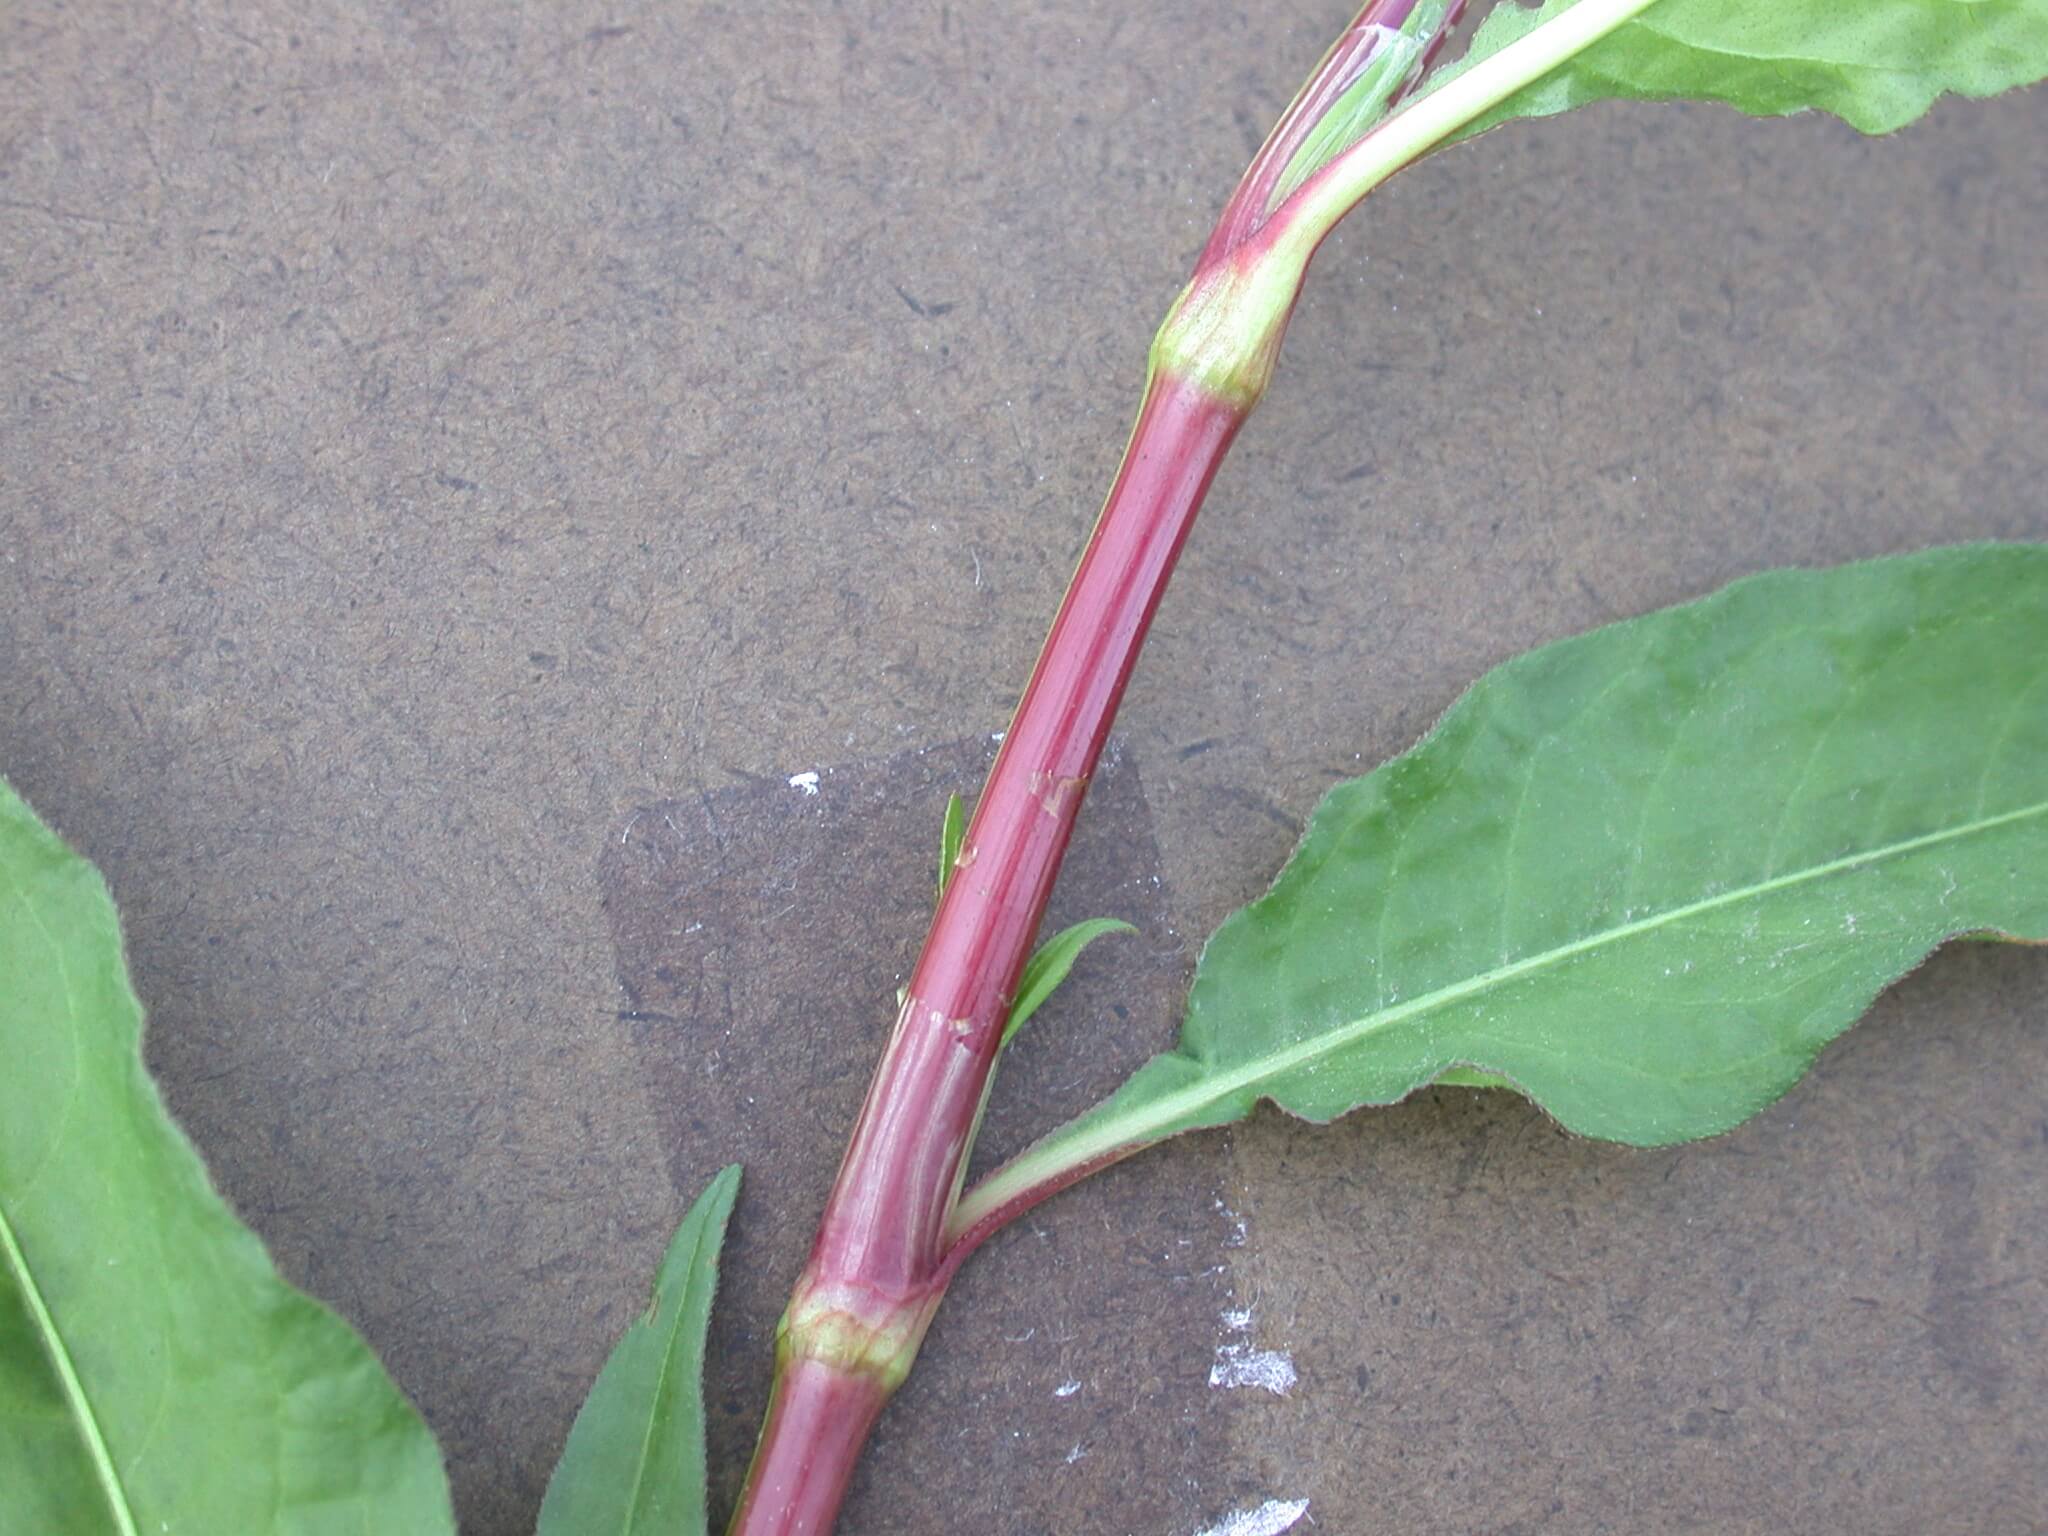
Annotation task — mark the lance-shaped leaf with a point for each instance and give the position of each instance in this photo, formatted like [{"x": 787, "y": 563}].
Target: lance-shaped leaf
[
  {"x": 1876, "y": 64},
  {"x": 155, "y": 1372},
  {"x": 634, "y": 1464},
  {"x": 1643, "y": 875}
]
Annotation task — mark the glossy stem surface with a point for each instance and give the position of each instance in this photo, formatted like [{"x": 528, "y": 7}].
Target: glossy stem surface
[
  {"x": 921, "y": 1106},
  {"x": 818, "y": 1420},
  {"x": 887, "y": 1247},
  {"x": 880, "y": 1259}
]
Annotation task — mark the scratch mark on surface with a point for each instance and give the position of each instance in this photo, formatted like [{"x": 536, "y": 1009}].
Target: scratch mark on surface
[
  {"x": 1269, "y": 1519},
  {"x": 1053, "y": 790},
  {"x": 1239, "y": 1364}
]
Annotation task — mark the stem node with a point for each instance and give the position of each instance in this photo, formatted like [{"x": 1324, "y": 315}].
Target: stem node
[
  {"x": 854, "y": 1329},
  {"x": 1223, "y": 334}
]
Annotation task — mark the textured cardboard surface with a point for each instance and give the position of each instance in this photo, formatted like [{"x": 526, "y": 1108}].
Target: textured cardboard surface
[
  {"x": 430, "y": 435},
  {"x": 760, "y": 1047}
]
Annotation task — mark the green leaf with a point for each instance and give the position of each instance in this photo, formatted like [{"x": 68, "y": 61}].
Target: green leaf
[
  {"x": 156, "y": 1375},
  {"x": 1049, "y": 965},
  {"x": 951, "y": 833},
  {"x": 1644, "y": 874},
  {"x": 634, "y": 1464},
  {"x": 1876, "y": 64}
]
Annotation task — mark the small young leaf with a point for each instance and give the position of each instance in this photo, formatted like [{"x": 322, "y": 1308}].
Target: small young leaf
[
  {"x": 951, "y": 833},
  {"x": 1049, "y": 964},
  {"x": 155, "y": 1372},
  {"x": 1643, "y": 875},
  {"x": 634, "y": 1463},
  {"x": 1876, "y": 64}
]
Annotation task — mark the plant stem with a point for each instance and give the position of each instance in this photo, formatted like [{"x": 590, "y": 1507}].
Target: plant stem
[
  {"x": 885, "y": 1252},
  {"x": 1289, "y": 236},
  {"x": 880, "y": 1260},
  {"x": 818, "y": 1420}
]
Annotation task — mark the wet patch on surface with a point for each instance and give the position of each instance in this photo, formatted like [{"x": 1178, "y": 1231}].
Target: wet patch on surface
[{"x": 762, "y": 932}]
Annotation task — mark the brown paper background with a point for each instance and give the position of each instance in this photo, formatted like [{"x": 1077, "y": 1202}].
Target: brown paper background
[{"x": 433, "y": 435}]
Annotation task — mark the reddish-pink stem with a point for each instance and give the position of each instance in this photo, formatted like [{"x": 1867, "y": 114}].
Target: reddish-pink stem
[
  {"x": 921, "y": 1108},
  {"x": 1250, "y": 205},
  {"x": 818, "y": 1420},
  {"x": 880, "y": 1256}
]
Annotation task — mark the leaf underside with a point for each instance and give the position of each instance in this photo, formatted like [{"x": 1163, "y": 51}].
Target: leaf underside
[
  {"x": 156, "y": 1375},
  {"x": 634, "y": 1462},
  {"x": 1643, "y": 875},
  {"x": 1876, "y": 64}
]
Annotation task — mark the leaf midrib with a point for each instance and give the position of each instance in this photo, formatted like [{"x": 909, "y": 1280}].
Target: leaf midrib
[
  {"x": 67, "y": 1372},
  {"x": 39, "y": 1310},
  {"x": 1117, "y": 1131},
  {"x": 668, "y": 1355}
]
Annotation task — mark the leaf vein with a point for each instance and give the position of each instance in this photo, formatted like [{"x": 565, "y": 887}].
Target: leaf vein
[
  {"x": 46, "y": 1324},
  {"x": 1174, "y": 1107}
]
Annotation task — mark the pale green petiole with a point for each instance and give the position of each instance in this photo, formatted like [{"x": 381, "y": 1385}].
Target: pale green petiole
[
  {"x": 1437, "y": 114},
  {"x": 1224, "y": 331},
  {"x": 1363, "y": 101},
  {"x": 1214, "y": 1099}
]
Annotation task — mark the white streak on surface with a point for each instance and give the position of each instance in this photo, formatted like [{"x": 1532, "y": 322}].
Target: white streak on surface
[
  {"x": 1066, "y": 1389},
  {"x": 807, "y": 782},
  {"x": 1269, "y": 1519},
  {"x": 1239, "y": 1365}
]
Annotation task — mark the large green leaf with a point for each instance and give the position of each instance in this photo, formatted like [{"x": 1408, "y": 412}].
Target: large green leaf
[
  {"x": 1644, "y": 875},
  {"x": 156, "y": 1376},
  {"x": 1876, "y": 64},
  {"x": 634, "y": 1464}
]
